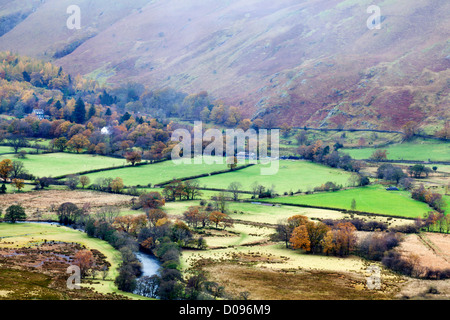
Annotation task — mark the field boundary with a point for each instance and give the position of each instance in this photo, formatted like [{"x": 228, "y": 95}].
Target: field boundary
[
  {"x": 108, "y": 169},
  {"x": 214, "y": 173},
  {"x": 334, "y": 209},
  {"x": 408, "y": 161}
]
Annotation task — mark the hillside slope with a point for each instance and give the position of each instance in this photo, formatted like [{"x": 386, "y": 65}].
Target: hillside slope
[{"x": 310, "y": 62}]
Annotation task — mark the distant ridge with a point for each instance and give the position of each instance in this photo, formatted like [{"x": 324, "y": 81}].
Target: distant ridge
[{"x": 308, "y": 63}]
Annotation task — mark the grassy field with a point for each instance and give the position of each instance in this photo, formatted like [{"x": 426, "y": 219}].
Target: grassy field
[
  {"x": 10, "y": 150},
  {"x": 21, "y": 234},
  {"x": 258, "y": 213},
  {"x": 291, "y": 176},
  {"x": 271, "y": 214},
  {"x": 373, "y": 199},
  {"x": 157, "y": 172},
  {"x": 56, "y": 164},
  {"x": 422, "y": 150}
]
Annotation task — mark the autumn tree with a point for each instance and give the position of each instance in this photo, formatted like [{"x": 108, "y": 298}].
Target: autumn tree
[
  {"x": 133, "y": 157},
  {"x": 153, "y": 215},
  {"x": 300, "y": 239},
  {"x": 78, "y": 142},
  {"x": 19, "y": 184},
  {"x": 341, "y": 240},
  {"x": 117, "y": 185},
  {"x": 152, "y": 200},
  {"x": 232, "y": 163},
  {"x": 6, "y": 166},
  {"x": 307, "y": 235},
  {"x": 217, "y": 218},
  {"x": 84, "y": 259},
  {"x": 285, "y": 129},
  {"x": 316, "y": 233},
  {"x": 191, "y": 216},
  {"x": 410, "y": 129},
  {"x": 379, "y": 155},
  {"x": 84, "y": 180},
  {"x": 192, "y": 189},
  {"x": 130, "y": 224}
]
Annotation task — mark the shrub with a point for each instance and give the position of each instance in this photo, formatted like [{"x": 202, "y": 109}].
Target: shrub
[{"x": 375, "y": 245}]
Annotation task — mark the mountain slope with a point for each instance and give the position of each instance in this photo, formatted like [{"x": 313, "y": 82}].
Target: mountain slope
[{"x": 311, "y": 62}]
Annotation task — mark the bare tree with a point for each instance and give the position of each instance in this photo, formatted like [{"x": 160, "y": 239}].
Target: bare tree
[
  {"x": 220, "y": 202},
  {"x": 234, "y": 188},
  {"x": 108, "y": 214},
  {"x": 72, "y": 182},
  {"x": 17, "y": 169}
]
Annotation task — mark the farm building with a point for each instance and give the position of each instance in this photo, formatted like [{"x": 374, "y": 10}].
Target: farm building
[{"x": 392, "y": 189}]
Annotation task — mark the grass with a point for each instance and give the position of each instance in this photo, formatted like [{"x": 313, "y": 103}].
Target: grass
[
  {"x": 257, "y": 212},
  {"x": 57, "y": 164},
  {"x": 373, "y": 199},
  {"x": 11, "y": 189},
  {"x": 26, "y": 285},
  {"x": 291, "y": 176},
  {"x": 157, "y": 172},
  {"x": 21, "y": 234},
  {"x": 419, "y": 150},
  {"x": 10, "y": 150}
]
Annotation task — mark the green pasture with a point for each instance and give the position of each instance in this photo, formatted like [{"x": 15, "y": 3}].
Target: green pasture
[
  {"x": 10, "y": 150},
  {"x": 419, "y": 150},
  {"x": 291, "y": 176},
  {"x": 257, "y": 212},
  {"x": 57, "y": 164},
  {"x": 158, "y": 172},
  {"x": 373, "y": 199}
]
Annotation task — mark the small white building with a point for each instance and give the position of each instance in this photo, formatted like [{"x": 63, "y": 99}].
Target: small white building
[
  {"x": 105, "y": 131},
  {"x": 245, "y": 155},
  {"x": 39, "y": 113}
]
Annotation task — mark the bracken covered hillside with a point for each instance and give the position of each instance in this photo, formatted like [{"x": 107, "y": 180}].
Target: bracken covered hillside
[{"x": 306, "y": 63}]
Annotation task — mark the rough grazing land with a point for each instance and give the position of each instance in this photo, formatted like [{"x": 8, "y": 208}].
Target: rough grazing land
[
  {"x": 39, "y": 272},
  {"x": 432, "y": 250},
  {"x": 43, "y": 200}
]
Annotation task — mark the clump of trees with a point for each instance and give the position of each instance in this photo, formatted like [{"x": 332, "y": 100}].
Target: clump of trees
[
  {"x": 328, "y": 155},
  {"x": 418, "y": 170},
  {"x": 182, "y": 190},
  {"x": 204, "y": 216},
  {"x": 359, "y": 224},
  {"x": 328, "y": 186},
  {"x": 433, "y": 199},
  {"x": 317, "y": 237},
  {"x": 375, "y": 245},
  {"x": 390, "y": 172},
  {"x": 15, "y": 213},
  {"x": 110, "y": 185},
  {"x": 379, "y": 155},
  {"x": 434, "y": 221}
]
